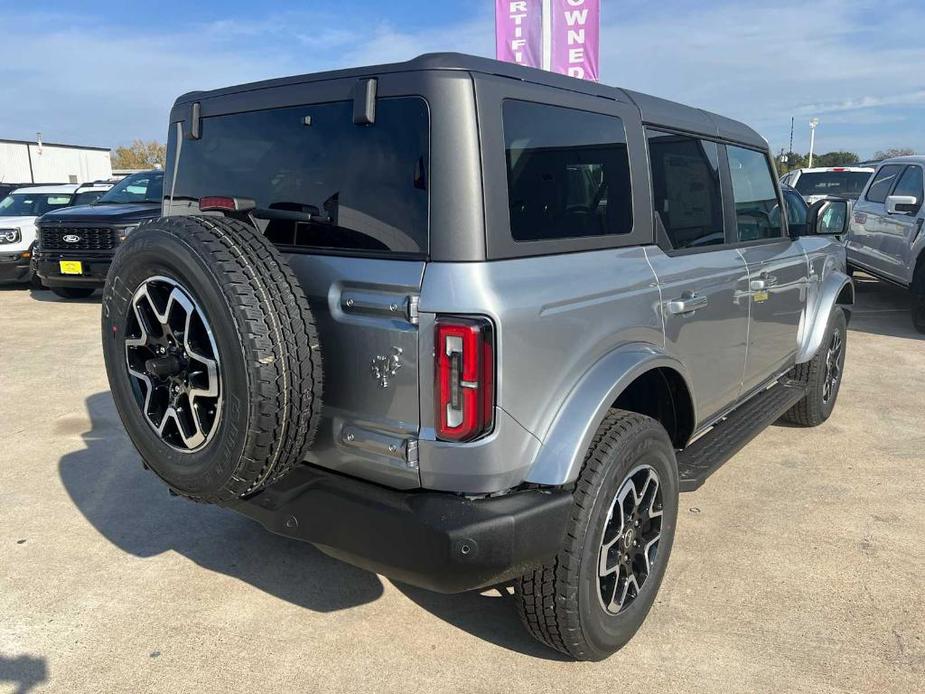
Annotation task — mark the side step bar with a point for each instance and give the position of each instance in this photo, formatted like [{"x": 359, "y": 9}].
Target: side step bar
[{"x": 704, "y": 457}]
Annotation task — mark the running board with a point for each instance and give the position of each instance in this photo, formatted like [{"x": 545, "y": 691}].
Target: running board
[{"x": 729, "y": 436}]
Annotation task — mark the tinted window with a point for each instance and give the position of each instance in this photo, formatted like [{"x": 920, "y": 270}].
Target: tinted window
[
  {"x": 147, "y": 186},
  {"x": 686, "y": 189},
  {"x": 567, "y": 173},
  {"x": 756, "y": 203},
  {"x": 344, "y": 186},
  {"x": 847, "y": 184},
  {"x": 797, "y": 209},
  {"x": 883, "y": 181},
  {"x": 910, "y": 183}
]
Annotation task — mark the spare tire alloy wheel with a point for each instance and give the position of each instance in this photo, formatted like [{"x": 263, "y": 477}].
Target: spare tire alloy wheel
[
  {"x": 212, "y": 356},
  {"x": 171, "y": 354}
]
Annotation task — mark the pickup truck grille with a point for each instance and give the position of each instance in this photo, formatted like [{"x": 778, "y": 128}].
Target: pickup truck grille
[{"x": 87, "y": 238}]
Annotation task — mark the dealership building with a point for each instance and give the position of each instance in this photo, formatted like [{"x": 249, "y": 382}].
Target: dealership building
[{"x": 22, "y": 161}]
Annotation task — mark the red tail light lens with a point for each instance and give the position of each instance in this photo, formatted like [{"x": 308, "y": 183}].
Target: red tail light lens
[{"x": 465, "y": 378}]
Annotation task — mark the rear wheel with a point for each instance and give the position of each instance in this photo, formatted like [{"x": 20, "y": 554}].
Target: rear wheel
[
  {"x": 212, "y": 356},
  {"x": 73, "y": 292},
  {"x": 592, "y": 598},
  {"x": 822, "y": 375}
]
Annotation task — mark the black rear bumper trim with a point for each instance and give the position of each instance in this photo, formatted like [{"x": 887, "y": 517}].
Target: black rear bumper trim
[{"x": 435, "y": 540}]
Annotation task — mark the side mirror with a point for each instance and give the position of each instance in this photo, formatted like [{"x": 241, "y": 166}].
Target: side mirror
[
  {"x": 828, "y": 216},
  {"x": 901, "y": 204}
]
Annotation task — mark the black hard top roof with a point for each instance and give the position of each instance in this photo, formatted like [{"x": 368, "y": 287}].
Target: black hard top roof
[{"x": 653, "y": 109}]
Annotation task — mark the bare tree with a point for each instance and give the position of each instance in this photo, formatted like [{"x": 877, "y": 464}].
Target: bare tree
[
  {"x": 140, "y": 155},
  {"x": 895, "y": 152}
]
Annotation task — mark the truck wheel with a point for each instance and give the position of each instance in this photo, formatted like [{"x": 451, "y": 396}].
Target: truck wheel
[
  {"x": 822, "y": 375},
  {"x": 918, "y": 298},
  {"x": 591, "y": 599},
  {"x": 212, "y": 356},
  {"x": 73, "y": 292}
]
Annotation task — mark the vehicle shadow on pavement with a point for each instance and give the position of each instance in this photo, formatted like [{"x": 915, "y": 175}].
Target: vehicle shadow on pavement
[
  {"x": 45, "y": 295},
  {"x": 24, "y": 672},
  {"x": 882, "y": 309},
  {"x": 132, "y": 509},
  {"x": 490, "y": 615}
]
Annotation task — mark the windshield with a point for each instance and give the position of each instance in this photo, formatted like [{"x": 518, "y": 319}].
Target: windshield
[
  {"x": 847, "y": 184},
  {"x": 32, "y": 204},
  {"x": 88, "y": 197},
  {"x": 147, "y": 186}
]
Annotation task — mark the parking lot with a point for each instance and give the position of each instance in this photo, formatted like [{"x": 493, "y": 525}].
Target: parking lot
[{"x": 799, "y": 566}]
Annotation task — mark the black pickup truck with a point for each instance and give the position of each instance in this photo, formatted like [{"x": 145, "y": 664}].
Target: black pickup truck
[{"x": 75, "y": 245}]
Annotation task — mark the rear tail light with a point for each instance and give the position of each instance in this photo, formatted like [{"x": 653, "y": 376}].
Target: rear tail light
[{"x": 465, "y": 378}]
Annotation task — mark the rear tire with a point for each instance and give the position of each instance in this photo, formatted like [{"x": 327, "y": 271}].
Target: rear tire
[
  {"x": 73, "y": 292},
  {"x": 822, "y": 375},
  {"x": 570, "y": 604},
  {"x": 212, "y": 356}
]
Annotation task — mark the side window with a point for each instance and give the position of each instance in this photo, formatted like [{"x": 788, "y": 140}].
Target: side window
[
  {"x": 883, "y": 181},
  {"x": 686, "y": 189},
  {"x": 796, "y": 209},
  {"x": 910, "y": 183},
  {"x": 567, "y": 172},
  {"x": 756, "y": 204}
]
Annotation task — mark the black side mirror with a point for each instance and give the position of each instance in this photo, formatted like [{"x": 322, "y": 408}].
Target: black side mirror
[{"x": 828, "y": 216}]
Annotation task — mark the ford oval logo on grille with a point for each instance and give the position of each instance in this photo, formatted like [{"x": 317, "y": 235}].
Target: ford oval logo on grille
[{"x": 71, "y": 238}]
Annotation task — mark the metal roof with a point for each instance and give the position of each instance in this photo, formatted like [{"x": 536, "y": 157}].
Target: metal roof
[{"x": 53, "y": 144}]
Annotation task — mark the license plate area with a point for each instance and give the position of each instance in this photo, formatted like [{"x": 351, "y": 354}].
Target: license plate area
[{"x": 71, "y": 267}]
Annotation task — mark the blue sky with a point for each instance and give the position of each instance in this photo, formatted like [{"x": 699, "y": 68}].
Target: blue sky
[{"x": 107, "y": 72}]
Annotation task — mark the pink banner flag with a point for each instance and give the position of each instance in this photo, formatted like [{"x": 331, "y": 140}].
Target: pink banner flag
[
  {"x": 519, "y": 31},
  {"x": 576, "y": 36}
]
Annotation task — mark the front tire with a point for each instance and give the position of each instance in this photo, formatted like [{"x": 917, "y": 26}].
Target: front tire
[
  {"x": 73, "y": 292},
  {"x": 590, "y": 600},
  {"x": 822, "y": 375}
]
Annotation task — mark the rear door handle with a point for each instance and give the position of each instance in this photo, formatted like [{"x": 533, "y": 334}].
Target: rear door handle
[{"x": 687, "y": 304}]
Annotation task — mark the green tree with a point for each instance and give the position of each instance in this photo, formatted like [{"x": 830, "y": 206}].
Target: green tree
[
  {"x": 894, "y": 152},
  {"x": 836, "y": 159},
  {"x": 140, "y": 155},
  {"x": 795, "y": 160}
]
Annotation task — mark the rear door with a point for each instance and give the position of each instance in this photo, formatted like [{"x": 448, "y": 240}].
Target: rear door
[
  {"x": 347, "y": 203},
  {"x": 777, "y": 266},
  {"x": 703, "y": 278}
]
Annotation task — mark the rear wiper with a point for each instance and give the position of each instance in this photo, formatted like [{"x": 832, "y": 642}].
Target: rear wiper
[{"x": 291, "y": 215}]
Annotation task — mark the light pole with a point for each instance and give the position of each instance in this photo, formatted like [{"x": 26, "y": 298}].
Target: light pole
[{"x": 812, "y": 139}]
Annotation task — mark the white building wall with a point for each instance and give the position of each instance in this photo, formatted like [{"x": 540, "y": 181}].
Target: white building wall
[{"x": 52, "y": 163}]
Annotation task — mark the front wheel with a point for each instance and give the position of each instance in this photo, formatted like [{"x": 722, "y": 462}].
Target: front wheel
[
  {"x": 73, "y": 292},
  {"x": 822, "y": 375},
  {"x": 593, "y": 596}
]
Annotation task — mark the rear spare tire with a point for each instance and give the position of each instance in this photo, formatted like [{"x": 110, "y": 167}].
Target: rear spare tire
[{"x": 212, "y": 356}]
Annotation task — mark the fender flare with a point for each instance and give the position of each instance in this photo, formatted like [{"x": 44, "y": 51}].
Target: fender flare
[
  {"x": 837, "y": 289},
  {"x": 569, "y": 436}
]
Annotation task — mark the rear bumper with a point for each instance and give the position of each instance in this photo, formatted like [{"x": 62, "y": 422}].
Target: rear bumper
[
  {"x": 94, "y": 270},
  {"x": 14, "y": 268},
  {"x": 434, "y": 540}
]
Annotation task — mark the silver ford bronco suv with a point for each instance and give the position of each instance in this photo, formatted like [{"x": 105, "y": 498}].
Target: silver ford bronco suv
[
  {"x": 885, "y": 237},
  {"x": 469, "y": 324}
]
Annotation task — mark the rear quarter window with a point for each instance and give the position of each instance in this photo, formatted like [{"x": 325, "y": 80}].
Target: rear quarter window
[
  {"x": 347, "y": 187},
  {"x": 567, "y": 172}
]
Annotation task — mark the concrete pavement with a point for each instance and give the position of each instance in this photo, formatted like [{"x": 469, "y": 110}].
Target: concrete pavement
[{"x": 799, "y": 566}]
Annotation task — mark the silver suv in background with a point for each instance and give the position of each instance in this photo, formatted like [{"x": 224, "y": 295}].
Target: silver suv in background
[
  {"x": 818, "y": 183},
  {"x": 464, "y": 323},
  {"x": 885, "y": 237}
]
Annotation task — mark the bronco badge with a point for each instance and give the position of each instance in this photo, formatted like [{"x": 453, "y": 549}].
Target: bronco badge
[{"x": 385, "y": 367}]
